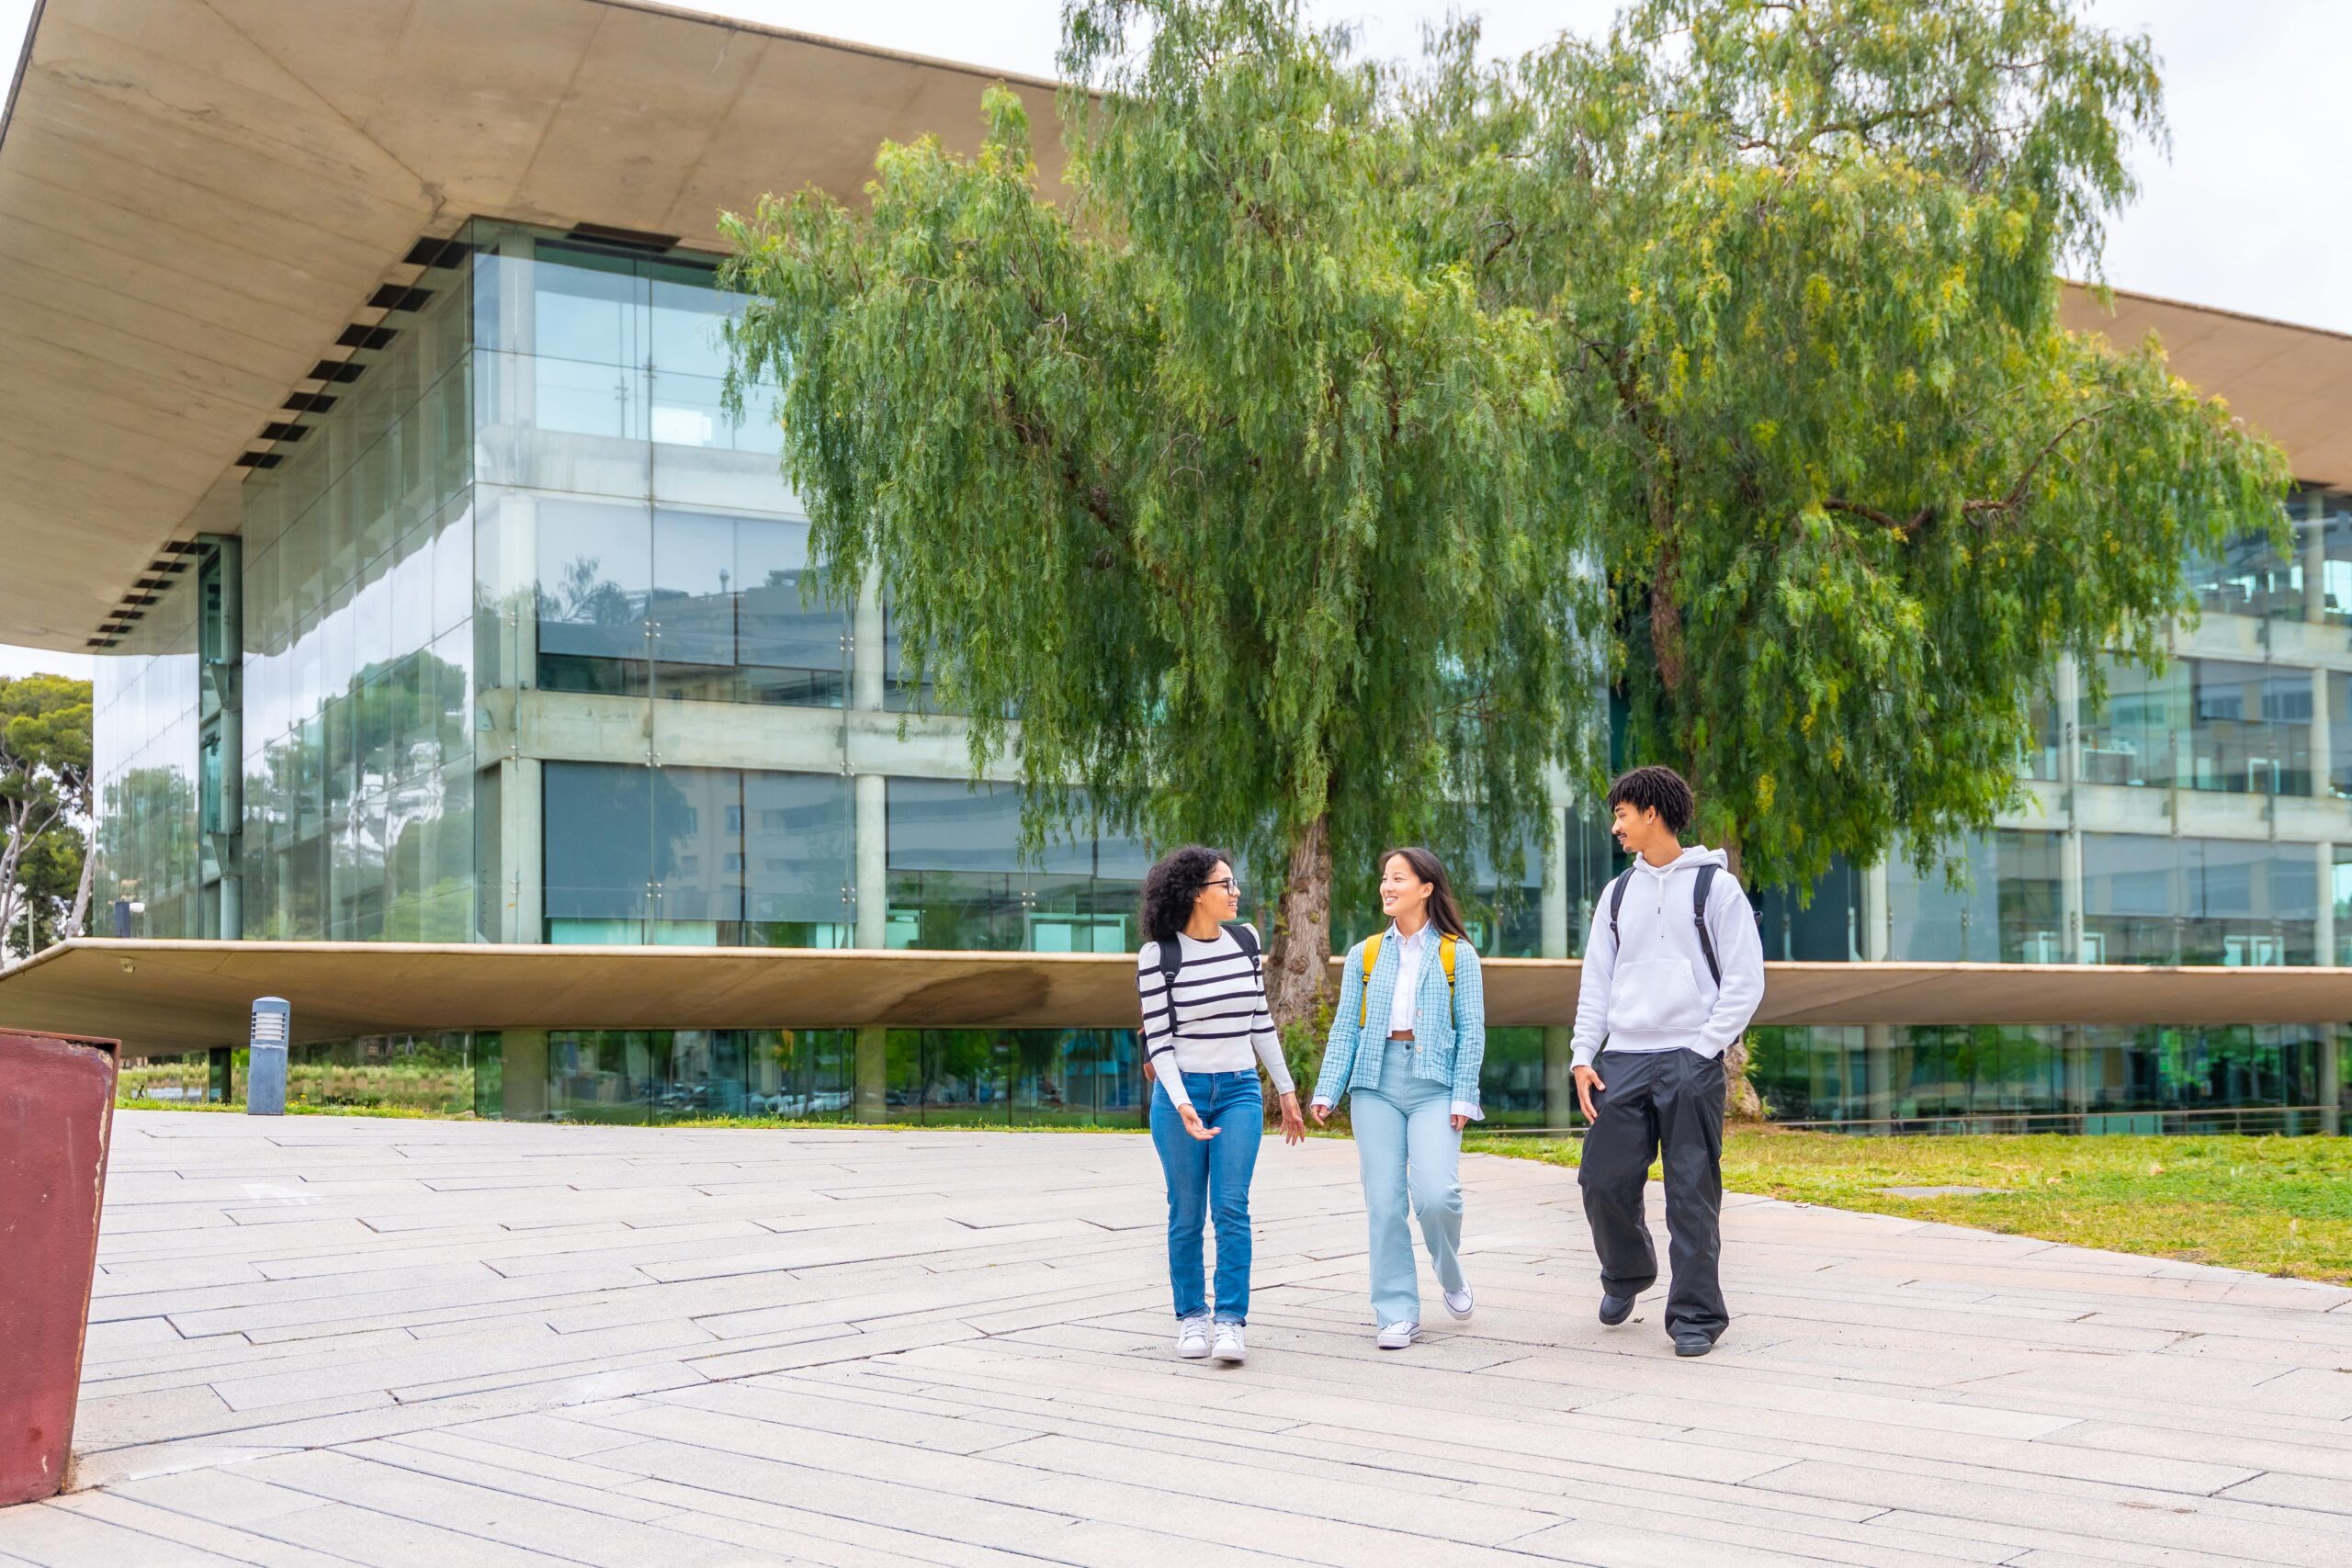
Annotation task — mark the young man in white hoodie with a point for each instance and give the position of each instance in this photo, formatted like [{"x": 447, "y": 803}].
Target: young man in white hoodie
[{"x": 1673, "y": 970}]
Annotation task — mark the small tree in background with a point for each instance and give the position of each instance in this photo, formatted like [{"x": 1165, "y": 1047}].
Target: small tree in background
[
  {"x": 44, "y": 799},
  {"x": 1220, "y": 477}
]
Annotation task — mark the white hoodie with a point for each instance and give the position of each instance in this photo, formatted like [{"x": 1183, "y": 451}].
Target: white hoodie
[{"x": 1654, "y": 992}]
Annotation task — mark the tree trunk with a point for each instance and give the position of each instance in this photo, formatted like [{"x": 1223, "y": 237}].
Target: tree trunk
[
  {"x": 82, "y": 892},
  {"x": 1741, "y": 1102},
  {"x": 1298, "y": 959}
]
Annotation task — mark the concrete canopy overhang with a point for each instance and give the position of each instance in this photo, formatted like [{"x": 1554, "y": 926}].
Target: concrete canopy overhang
[
  {"x": 197, "y": 198},
  {"x": 162, "y": 996},
  {"x": 2293, "y": 383}
]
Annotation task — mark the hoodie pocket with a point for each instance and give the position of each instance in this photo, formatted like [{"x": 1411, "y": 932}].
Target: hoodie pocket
[{"x": 1657, "y": 995}]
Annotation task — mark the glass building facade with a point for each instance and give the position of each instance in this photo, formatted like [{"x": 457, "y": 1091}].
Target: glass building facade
[{"x": 517, "y": 642}]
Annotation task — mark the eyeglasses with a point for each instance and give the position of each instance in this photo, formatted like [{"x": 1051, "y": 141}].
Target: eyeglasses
[{"x": 1225, "y": 882}]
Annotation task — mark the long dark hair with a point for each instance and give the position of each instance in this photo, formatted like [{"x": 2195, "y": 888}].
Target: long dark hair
[
  {"x": 1444, "y": 913},
  {"x": 1173, "y": 885}
]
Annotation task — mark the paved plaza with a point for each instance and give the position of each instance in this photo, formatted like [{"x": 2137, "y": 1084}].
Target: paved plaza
[{"x": 325, "y": 1340}]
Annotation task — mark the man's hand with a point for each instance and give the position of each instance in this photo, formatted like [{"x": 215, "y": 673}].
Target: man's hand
[
  {"x": 1294, "y": 1124},
  {"x": 1460, "y": 1121},
  {"x": 1322, "y": 1113},
  {"x": 1588, "y": 1084}
]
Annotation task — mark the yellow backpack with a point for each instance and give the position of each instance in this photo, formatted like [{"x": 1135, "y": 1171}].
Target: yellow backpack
[{"x": 1445, "y": 962}]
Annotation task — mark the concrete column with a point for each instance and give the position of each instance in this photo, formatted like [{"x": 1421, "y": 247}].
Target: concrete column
[
  {"x": 1877, "y": 917},
  {"x": 522, "y": 850},
  {"x": 867, "y": 692},
  {"x": 2314, "y": 544},
  {"x": 2331, "y": 1079},
  {"x": 2322, "y": 739},
  {"x": 2323, "y": 925},
  {"x": 873, "y": 889},
  {"x": 2072, "y": 947},
  {"x": 523, "y": 1073},
  {"x": 1878, "y": 1072},
  {"x": 1559, "y": 1086},
  {"x": 2077, "y": 1069},
  {"x": 873, "y": 1072},
  {"x": 866, "y": 684}
]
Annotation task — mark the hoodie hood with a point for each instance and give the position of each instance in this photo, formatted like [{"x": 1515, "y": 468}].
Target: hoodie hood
[{"x": 1692, "y": 856}]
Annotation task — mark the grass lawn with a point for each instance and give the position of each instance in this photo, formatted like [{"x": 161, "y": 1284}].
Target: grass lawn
[{"x": 2272, "y": 1205}]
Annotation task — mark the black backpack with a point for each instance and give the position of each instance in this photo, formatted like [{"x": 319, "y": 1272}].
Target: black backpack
[
  {"x": 1172, "y": 959},
  {"x": 1698, "y": 915}
]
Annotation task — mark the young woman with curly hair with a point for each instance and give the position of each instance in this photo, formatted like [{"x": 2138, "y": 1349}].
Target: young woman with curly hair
[{"x": 1206, "y": 1030}]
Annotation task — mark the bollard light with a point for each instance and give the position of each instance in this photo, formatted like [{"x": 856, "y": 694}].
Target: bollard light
[{"x": 266, "y": 1063}]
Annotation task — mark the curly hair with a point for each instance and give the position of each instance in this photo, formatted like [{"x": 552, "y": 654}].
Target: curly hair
[
  {"x": 1657, "y": 789},
  {"x": 1173, "y": 885}
]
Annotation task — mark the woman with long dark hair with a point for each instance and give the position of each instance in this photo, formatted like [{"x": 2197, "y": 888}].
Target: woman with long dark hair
[
  {"x": 1407, "y": 1040},
  {"x": 1206, "y": 1030}
]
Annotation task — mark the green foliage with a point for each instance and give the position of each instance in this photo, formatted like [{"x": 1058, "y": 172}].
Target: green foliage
[
  {"x": 1218, "y": 474},
  {"x": 1862, "y": 489},
  {"x": 45, "y": 750}
]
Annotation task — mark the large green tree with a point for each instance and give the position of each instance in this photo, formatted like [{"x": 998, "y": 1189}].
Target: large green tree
[
  {"x": 1217, "y": 475},
  {"x": 44, "y": 802},
  {"x": 1863, "y": 490}
]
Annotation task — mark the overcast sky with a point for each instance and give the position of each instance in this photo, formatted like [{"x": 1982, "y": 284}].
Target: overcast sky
[{"x": 2247, "y": 214}]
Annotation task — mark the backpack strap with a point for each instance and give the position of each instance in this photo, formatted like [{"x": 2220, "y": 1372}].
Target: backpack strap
[
  {"x": 1172, "y": 959},
  {"x": 1370, "y": 957},
  {"x": 1246, "y": 938},
  {"x": 1445, "y": 961},
  {"x": 1617, "y": 901},
  {"x": 1699, "y": 914}
]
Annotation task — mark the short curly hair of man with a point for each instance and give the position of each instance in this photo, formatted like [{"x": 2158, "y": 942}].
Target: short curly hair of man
[
  {"x": 1654, "y": 788},
  {"x": 1173, "y": 885}
]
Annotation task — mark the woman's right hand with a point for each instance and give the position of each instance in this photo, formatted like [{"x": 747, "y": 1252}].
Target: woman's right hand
[{"x": 1192, "y": 1124}]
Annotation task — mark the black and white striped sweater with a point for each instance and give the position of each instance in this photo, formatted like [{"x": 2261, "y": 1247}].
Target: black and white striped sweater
[{"x": 1220, "y": 1019}]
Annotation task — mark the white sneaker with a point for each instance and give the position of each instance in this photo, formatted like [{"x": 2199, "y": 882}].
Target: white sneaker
[
  {"x": 1193, "y": 1338},
  {"x": 1397, "y": 1336},
  {"x": 1228, "y": 1344},
  {"x": 1458, "y": 1304}
]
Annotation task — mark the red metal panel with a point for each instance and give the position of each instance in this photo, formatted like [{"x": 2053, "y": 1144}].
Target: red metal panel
[{"x": 56, "y": 1112}]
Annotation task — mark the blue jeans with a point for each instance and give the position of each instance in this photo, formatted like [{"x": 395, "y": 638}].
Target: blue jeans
[
  {"x": 1408, "y": 1147},
  {"x": 1208, "y": 1180}
]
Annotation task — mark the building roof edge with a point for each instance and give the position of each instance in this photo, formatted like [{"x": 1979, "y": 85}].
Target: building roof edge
[{"x": 821, "y": 41}]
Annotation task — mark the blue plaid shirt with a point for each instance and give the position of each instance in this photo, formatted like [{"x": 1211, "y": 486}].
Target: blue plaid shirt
[{"x": 1449, "y": 1035}]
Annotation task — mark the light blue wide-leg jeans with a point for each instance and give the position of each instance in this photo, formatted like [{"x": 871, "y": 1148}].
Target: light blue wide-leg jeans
[{"x": 1410, "y": 1151}]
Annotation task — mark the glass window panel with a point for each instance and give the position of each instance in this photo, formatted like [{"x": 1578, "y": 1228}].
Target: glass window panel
[
  {"x": 2129, "y": 740},
  {"x": 697, "y": 844},
  {"x": 453, "y": 567},
  {"x": 2134, "y": 894},
  {"x": 797, "y": 837},
  {"x": 1935, "y": 919},
  {"x": 689, "y": 315},
  {"x": 692, "y": 604},
  {"x": 595, "y": 574},
  {"x": 586, "y": 306},
  {"x": 947, "y": 825},
  {"x": 598, "y": 828},
  {"x": 790, "y": 639}
]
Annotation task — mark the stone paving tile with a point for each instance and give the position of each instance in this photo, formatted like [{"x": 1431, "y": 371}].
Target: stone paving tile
[{"x": 445, "y": 1344}]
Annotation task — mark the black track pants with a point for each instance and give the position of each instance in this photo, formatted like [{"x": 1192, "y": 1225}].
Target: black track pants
[{"x": 1666, "y": 1104}]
